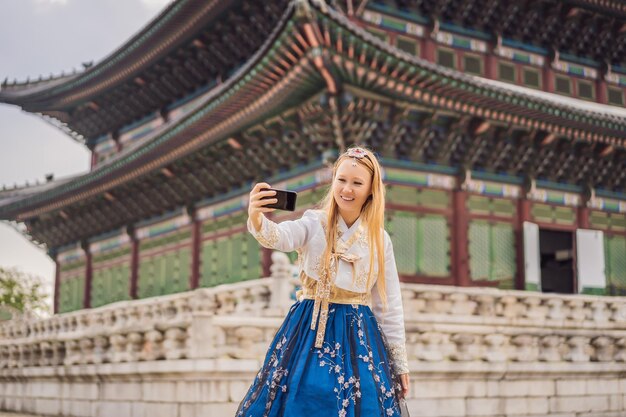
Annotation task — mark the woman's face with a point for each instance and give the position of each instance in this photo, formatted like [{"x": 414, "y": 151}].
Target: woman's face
[{"x": 351, "y": 188}]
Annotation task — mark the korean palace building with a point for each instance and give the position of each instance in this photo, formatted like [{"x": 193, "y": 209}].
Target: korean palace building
[{"x": 500, "y": 124}]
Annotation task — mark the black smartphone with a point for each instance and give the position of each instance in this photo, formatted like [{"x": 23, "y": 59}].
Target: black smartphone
[{"x": 286, "y": 199}]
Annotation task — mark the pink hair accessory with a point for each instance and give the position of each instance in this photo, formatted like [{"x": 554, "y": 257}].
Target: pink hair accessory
[{"x": 357, "y": 153}]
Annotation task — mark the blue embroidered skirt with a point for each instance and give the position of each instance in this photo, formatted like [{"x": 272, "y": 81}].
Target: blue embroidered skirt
[{"x": 350, "y": 376}]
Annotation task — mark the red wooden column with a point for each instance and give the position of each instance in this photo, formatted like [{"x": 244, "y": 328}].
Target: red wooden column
[
  {"x": 428, "y": 47},
  {"x": 196, "y": 242},
  {"x": 523, "y": 215},
  {"x": 134, "y": 264},
  {"x": 582, "y": 217},
  {"x": 459, "y": 245},
  {"x": 88, "y": 277},
  {"x": 57, "y": 284},
  {"x": 548, "y": 77},
  {"x": 601, "y": 91},
  {"x": 491, "y": 64}
]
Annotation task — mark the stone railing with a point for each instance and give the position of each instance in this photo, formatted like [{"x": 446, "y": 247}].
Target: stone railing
[
  {"x": 469, "y": 324},
  {"x": 180, "y": 326},
  {"x": 239, "y": 320}
]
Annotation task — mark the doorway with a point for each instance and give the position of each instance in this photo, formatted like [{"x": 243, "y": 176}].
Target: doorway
[{"x": 556, "y": 250}]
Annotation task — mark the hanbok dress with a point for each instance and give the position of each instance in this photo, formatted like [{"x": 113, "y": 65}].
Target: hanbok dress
[{"x": 338, "y": 351}]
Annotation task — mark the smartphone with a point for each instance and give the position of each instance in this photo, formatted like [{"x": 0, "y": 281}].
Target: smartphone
[{"x": 286, "y": 199}]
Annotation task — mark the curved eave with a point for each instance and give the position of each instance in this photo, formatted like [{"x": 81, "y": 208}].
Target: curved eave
[
  {"x": 248, "y": 96},
  {"x": 429, "y": 84},
  {"x": 283, "y": 69},
  {"x": 174, "y": 25}
]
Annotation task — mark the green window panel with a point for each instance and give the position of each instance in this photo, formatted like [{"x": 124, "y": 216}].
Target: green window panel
[
  {"x": 503, "y": 207},
  {"x": 71, "y": 294},
  {"x": 542, "y": 212},
  {"x": 236, "y": 253},
  {"x": 564, "y": 215},
  {"x": 492, "y": 252},
  {"x": 618, "y": 221},
  {"x": 399, "y": 194},
  {"x": 599, "y": 219},
  {"x": 434, "y": 198},
  {"x": 146, "y": 282},
  {"x": 411, "y": 196},
  {"x": 434, "y": 256},
  {"x": 223, "y": 260},
  {"x": 404, "y": 239},
  {"x": 479, "y": 250},
  {"x": 477, "y": 204},
  {"x": 208, "y": 264},
  {"x": 504, "y": 264},
  {"x": 162, "y": 270},
  {"x": 184, "y": 269},
  {"x": 110, "y": 285},
  {"x": 253, "y": 254},
  {"x": 73, "y": 265},
  {"x": 421, "y": 244},
  {"x": 615, "y": 264}
]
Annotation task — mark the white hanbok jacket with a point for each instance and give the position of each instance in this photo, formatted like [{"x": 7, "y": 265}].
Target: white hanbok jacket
[{"x": 307, "y": 236}]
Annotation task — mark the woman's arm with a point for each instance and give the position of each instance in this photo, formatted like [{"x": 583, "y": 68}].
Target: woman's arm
[
  {"x": 391, "y": 317},
  {"x": 286, "y": 236}
]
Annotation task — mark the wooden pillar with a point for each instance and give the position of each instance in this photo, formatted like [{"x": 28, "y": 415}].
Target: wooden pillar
[
  {"x": 428, "y": 48},
  {"x": 57, "y": 285},
  {"x": 88, "y": 277},
  {"x": 601, "y": 91},
  {"x": 94, "y": 159},
  {"x": 459, "y": 245},
  {"x": 582, "y": 217},
  {"x": 134, "y": 265},
  {"x": 548, "y": 77},
  {"x": 523, "y": 215},
  {"x": 196, "y": 243},
  {"x": 491, "y": 64}
]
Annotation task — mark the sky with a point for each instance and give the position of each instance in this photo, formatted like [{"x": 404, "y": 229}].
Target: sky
[{"x": 43, "y": 37}]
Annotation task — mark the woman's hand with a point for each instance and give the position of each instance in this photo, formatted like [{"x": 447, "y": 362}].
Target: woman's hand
[
  {"x": 256, "y": 206},
  {"x": 406, "y": 385}
]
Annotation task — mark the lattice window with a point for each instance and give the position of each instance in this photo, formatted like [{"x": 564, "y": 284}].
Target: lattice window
[
  {"x": 110, "y": 284},
  {"x": 615, "y": 96},
  {"x": 421, "y": 244},
  {"x": 446, "y": 58},
  {"x": 407, "y": 45},
  {"x": 586, "y": 90},
  {"x": 492, "y": 252},
  {"x": 507, "y": 72},
  {"x": 473, "y": 64},
  {"x": 71, "y": 293},
  {"x": 165, "y": 264},
  {"x": 615, "y": 264},
  {"x": 532, "y": 78},
  {"x": 563, "y": 85}
]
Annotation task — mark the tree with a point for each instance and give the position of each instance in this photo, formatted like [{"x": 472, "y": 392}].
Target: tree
[{"x": 22, "y": 292}]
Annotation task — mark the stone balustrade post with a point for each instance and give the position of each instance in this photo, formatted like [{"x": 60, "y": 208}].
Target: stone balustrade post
[{"x": 281, "y": 288}]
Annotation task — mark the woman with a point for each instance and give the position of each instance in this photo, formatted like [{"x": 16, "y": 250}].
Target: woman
[{"x": 333, "y": 354}]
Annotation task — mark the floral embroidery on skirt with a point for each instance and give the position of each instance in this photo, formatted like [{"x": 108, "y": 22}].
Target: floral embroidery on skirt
[{"x": 349, "y": 376}]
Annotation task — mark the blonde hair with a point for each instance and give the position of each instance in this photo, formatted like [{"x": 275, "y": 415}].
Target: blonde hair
[{"x": 372, "y": 215}]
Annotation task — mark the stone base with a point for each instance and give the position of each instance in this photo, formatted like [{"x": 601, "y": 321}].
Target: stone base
[{"x": 189, "y": 388}]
